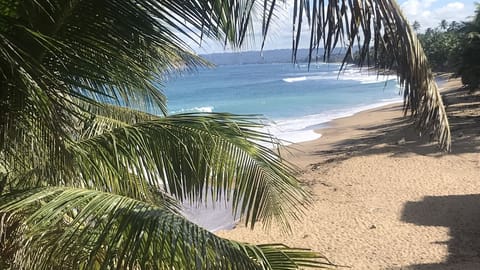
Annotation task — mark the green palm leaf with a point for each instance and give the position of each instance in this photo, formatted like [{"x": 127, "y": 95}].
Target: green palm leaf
[
  {"x": 97, "y": 230},
  {"x": 99, "y": 51},
  {"x": 279, "y": 256},
  {"x": 190, "y": 155},
  {"x": 105, "y": 117}
]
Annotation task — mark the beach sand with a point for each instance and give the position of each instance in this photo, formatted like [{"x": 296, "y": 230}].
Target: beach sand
[{"x": 385, "y": 199}]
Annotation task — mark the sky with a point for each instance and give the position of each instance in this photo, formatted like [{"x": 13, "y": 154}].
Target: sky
[{"x": 428, "y": 13}]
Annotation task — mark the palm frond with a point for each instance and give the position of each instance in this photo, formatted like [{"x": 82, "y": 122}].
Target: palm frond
[
  {"x": 190, "y": 155},
  {"x": 33, "y": 123},
  {"x": 85, "y": 229},
  {"x": 104, "y": 118},
  {"x": 114, "y": 49},
  {"x": 186, "y": 155},
  {"x": 116, "y": 52},
  {"x": 280, "y": 256}
]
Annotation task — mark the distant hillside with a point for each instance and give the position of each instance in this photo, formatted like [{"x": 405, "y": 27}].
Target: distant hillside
[{"x": 270, "y": 56}]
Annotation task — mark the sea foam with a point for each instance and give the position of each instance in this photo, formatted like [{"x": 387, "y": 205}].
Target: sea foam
[
  {"x": 351, "y": 74},
  {"x": 302, "y": 129},
  {"x": 206, "y": 109},
  {"x": 294, "y": 79}
]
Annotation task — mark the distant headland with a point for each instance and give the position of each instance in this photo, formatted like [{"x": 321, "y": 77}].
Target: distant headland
[{"x": 271, "y": 56}]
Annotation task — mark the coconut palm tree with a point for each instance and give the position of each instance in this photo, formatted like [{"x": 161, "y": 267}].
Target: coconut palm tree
[
  {"x": 416, "y": 26},
  {"x": 443, "y": 24},
  {"x": 92, "y": 166}
]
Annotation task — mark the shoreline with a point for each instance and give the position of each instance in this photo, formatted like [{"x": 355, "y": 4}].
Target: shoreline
[
  {"x": 384, "y": 199},
  {"x": 442, "y": 81},
  {"x": 332, "y": 123},
  {"x": 312, "y": 131}
]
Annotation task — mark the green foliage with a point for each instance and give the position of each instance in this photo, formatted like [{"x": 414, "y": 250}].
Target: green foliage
[
  {"x": 85, "y": 229},
  {"x": 442, "y": 45},
  {"x": 455, "y": 47},
  {"x": 416, "y": 26},
  {"x": 92, "y": 168},
  {"x": 469, "y": 67}
]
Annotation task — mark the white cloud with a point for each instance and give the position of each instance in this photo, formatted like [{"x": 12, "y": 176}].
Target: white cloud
[
  {"x": 414, "y": 7},
  {"x": 411, "y": 7},
  {"x": 428, "y": 16}
]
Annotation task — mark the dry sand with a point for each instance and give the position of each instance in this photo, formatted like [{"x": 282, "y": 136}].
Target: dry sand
[{"x": 383, "y": 199}]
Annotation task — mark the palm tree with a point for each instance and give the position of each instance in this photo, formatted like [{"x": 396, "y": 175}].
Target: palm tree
[
  {"x": 454, "y": 26},
  {"x": 416, "y": 26},
  {"x": 93, "y": 167},
  {"x": 443, "y": 25}
]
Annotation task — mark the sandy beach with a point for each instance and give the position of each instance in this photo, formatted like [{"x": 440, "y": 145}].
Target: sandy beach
[{"x": 385, "y": 199}]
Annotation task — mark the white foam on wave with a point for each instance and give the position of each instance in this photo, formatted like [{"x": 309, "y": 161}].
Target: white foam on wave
[
  {"x": 357, "y": 74},
  {"x": 288, "y": 136},
  {"x": 204, "y": 109},
  {"x": 294, "y": 79},
  {"x": 195, "y": 109},
  {"x": 302, "y": 129},
  {"x": 353, "y": 74}
]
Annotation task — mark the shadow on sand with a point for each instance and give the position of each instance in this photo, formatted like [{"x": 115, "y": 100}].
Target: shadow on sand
[
  {"x": 463, "y": 111},
  {"x": 461, "y": 215}
]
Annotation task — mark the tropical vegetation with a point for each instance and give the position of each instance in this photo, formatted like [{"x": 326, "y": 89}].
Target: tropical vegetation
[
  {"x": 469, "y": 67},
  {"x": 454, "y": 47},
  {"x": 93, "y": 168},
  {"x": 442, "y": 45}
]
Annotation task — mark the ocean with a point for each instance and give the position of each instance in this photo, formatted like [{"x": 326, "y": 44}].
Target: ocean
[{"x": 294, "y": 100}]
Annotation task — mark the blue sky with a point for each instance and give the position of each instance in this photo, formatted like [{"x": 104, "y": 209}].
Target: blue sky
[{"x": 428, "y": 13}]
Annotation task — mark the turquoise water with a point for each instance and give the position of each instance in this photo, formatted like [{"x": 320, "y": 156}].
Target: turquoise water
[{"x": 294, "y": 99}]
